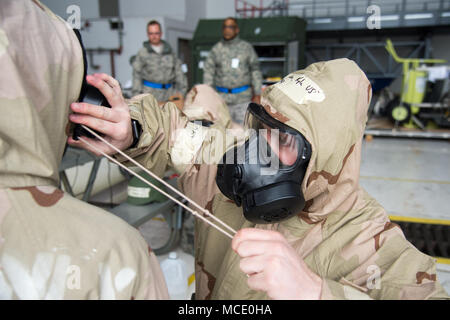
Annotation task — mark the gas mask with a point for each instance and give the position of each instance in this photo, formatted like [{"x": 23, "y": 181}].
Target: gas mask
[
  {"x": 265, "y": 173},
  {"x": 88, "y": 94}
]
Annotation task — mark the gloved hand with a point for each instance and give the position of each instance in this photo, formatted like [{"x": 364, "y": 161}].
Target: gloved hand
[
  {"x": 273, "y": 265},
  {"x": 114, "y": 122}
]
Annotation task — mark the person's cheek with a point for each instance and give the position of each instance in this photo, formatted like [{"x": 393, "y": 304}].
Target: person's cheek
[{"x": 288, "y": 156}]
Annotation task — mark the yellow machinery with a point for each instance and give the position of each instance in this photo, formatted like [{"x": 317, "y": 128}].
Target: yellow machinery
[{"x": 405, "y": 110}]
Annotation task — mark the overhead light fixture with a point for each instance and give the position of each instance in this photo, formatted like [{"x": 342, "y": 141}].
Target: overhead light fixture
[
  {"x": 445, "y": 14},
  {"x": 414, "y": 16},
  {"x": 391, "y": 17},
  {"x": 323, "y": 20},
  {"x": 355, "y": 19}
]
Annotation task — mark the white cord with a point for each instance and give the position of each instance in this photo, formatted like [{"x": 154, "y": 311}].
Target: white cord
[{"x": 195, "y": 213}]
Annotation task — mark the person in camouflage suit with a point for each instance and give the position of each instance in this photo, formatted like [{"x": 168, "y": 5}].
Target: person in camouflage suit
[
  {"x": 156, "y": 68},
  {"x": 203, "y": 105},
  {"x": 53, "y": 246},
  {"x": 342, "y": 245},
  {"x": 232, "y": 68}
]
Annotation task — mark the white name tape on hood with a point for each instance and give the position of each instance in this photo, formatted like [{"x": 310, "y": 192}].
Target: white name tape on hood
[{"x": 301, "y": 89}]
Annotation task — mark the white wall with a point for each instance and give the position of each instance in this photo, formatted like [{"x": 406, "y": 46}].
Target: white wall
[
  {"x": 178, "y": 19},
  {"x": 195, "y": 10},
  {"x": 89, "y": 8},
  {"x": 216, "y": 9},
  {"x": 175, "y": 9}
]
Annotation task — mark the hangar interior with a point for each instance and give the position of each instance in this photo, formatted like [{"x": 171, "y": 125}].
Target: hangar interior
[{"x": 406, "y": 151}]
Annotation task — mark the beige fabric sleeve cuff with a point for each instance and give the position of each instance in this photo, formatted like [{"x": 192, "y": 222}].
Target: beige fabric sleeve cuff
[
  {"x": 333, "y": 290},
  {"x": 145, "y": 139}
]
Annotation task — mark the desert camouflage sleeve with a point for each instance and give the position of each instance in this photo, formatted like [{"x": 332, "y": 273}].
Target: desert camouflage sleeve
[
  {"x": 396, "y": 270},
  {"x": 170, "y": 141}
]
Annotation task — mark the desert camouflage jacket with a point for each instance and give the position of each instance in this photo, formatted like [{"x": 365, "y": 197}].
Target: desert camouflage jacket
[
  {"x": 53, "y": 246},
  {"x": 159, "y": 68},
  {"x": 231, "y": 64},
  {"x": 343, "y": 234}
]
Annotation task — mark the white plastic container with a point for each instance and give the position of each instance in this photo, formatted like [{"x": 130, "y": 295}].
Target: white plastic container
[{"x": 175, "y": 273}]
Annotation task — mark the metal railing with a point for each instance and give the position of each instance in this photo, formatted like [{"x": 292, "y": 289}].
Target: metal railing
[
  {"x": 376, "y": 64},
  {"x": 348, "y": 14}
]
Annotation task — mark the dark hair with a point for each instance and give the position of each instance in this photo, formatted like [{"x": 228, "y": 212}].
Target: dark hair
[
  {"x": 153, "y": 22},
  {"x": 231, "y": 18}
]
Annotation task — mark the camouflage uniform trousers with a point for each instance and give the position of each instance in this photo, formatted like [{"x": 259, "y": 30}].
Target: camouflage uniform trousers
[
  {"x": 237, "y": 104},
  {"x": 237, "y": 111},
  {"x": 161, "y": 95}
]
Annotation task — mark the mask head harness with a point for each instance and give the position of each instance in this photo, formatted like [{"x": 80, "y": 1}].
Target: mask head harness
[
  {"x": 88, "y": 94},
  {"x": 264, "y": 174}
]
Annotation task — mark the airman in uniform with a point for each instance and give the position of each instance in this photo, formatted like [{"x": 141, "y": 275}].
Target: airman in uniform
[
  {"x": 232, "y": 68},
  {"x": 339, "y": 243},
  {"x": 156, "y": 68}
]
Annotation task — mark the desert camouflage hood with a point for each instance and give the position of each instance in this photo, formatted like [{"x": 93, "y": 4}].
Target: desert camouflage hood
[
  {"x": 204, "y": 103},
  {"x": 327, "y": 102},
  {"x": 32, "y": 67},
  {"x": 53, "y": 246}
]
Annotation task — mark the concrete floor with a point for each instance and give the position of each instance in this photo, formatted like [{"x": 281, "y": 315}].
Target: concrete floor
[{"x": 408, "y": 177}]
